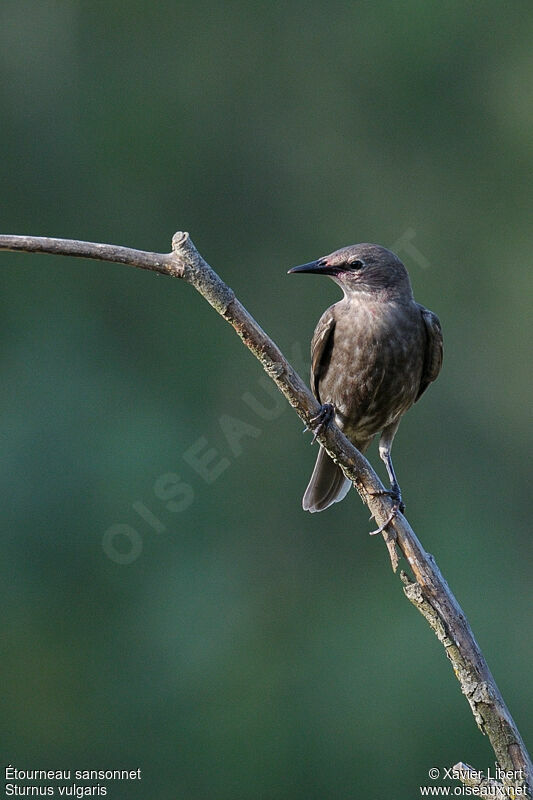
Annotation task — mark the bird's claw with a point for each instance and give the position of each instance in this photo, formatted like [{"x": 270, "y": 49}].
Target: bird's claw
[
  {"x": 398, "y": 505},
  {"x": 321, "y": 421},
  {"x": 393, "y": 513}
]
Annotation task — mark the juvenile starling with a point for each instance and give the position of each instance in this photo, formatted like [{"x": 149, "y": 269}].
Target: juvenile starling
[{"x": 373, "y": 354}]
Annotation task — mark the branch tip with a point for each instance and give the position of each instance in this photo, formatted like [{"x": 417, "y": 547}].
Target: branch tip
[{"x": 179, "y": 239}]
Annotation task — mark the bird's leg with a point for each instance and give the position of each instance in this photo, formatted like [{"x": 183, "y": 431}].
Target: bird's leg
[
  {"x": 385, "y": 445},
  {"x": 321, "y": 421},
  {"x": 394, "y": 491}
]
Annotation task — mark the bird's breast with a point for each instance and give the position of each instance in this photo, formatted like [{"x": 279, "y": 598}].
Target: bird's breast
[{"x": 375, "y": 366}]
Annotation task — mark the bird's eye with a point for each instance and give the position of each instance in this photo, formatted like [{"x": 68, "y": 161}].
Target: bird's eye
[{"x": 356, "y": 264}]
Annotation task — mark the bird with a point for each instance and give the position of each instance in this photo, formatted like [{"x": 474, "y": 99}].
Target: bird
[{"x": 373, "y": 355}]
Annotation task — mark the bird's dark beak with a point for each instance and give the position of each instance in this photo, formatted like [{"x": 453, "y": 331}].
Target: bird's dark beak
[{"x": 319, "y": 267}]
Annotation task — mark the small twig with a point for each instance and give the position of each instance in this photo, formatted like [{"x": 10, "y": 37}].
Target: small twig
[
  {"x": 156, "y": 262},
  {"x": 429, "y": 592}
]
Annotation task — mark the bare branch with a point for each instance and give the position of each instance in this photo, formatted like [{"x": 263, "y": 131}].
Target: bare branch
[
  {"x": 428, "y": 592},
  {"x": 156, "y": 262}
]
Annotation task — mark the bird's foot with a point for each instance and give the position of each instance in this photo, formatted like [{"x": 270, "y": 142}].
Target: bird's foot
[
  {"x": 321, "y": 421},
  {"x": 393, "y": 513},
  {"x": 398, "y": 505}
]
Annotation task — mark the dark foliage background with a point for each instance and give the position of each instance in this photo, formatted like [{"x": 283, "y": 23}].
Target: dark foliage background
[{"x": 251, "y": 650}]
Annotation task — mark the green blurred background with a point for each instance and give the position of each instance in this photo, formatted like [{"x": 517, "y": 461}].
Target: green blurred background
[{"x": 247, "y": 649}]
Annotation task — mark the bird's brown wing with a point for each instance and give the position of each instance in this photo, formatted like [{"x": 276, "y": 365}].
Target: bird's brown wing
[
  {"x": 433, "y": 353},
  {"x": 321, "y": 347}
]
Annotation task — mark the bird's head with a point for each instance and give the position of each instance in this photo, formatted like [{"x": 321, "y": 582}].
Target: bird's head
[{"x": 366, "y": 268}]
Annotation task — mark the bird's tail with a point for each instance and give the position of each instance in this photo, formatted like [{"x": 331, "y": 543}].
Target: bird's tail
[{"x": 327, "y": 485}]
